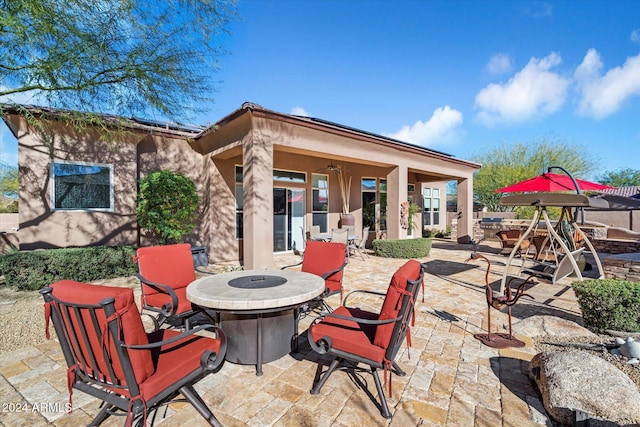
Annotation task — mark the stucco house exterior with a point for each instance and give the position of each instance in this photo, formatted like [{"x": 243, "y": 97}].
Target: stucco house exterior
[{"x": 263, "y": 177}]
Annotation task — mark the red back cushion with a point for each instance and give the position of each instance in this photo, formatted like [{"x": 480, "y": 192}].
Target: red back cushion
[
  {"x": 393, "y": 301},
  {"x": 170, "y": 265},
  {"x": 68, "y": 291},
  {"x": 322, "y": 257}
]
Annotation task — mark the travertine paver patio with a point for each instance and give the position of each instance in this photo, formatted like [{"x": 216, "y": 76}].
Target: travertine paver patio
[{"x": 452, "y": 380}]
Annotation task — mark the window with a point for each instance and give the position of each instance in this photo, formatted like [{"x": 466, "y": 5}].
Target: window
[
  {"x": 320, "y": 208},
  {"x": 383, "y": 205},
  {"x": 289, "y": 176},
  {"x": 369, "y": 202},
  {"x": 81, "y": 186},
  {"x": 239, "y": 203},
  {"x": 431, "y": 206}
]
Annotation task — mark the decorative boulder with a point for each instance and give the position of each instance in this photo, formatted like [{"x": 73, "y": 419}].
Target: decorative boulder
[{"x": 577, "y": 380}]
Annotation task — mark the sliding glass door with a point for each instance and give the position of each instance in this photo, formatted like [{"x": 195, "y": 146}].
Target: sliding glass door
[{"x": 288, "y": 219}]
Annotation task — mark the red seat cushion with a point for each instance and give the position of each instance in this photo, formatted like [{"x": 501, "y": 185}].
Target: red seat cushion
[
  {"x": 158, "y": 300},
  {"x": 349, "y": 336},
  {"x": 175, "y": 361},
  {"x": 393, "y": 301},
  {"x": 322, "y": 257},
  {"x": 130, "y": 324},
  {"x": 170, "y": 265}
]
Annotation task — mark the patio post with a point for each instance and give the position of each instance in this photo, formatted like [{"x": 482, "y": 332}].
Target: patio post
[
  {"x": 465, "y": 210},
  {"x": 397, "y": 181},
  {"x": 257, "y": 182}
]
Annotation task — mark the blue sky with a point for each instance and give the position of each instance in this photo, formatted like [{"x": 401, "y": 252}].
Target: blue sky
[{"x": 456, "y": 76}]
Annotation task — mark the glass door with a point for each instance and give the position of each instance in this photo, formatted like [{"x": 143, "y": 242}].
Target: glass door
[{"x": 288, "y": 219}]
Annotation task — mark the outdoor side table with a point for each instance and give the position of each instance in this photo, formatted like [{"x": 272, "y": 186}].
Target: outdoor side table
[{"x": 258, "y": 310}]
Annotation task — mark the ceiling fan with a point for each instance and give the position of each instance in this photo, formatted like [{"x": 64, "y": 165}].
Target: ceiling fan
[{"x": 331, "y": 167}]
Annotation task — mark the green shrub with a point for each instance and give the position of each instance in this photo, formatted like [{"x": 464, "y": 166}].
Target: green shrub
[
  {"x": 33, "y": 270},
  {"x": 609, "y": 304},
  {"x": 406, "y": 248},
  {"x": 167, "y": 205}
]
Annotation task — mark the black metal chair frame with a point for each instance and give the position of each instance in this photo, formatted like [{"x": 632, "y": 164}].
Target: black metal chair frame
[
  {"x": 167, "y": 313},
  {"x": 351, "y": 363},
  {"x": 115, "y": 403}
]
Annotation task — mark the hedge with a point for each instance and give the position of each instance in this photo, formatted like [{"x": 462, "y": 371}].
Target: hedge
[
  {"x": 405, "y": 248},
  {"x": 33, "y": 270},
  {"x": 609, "y": 304}
]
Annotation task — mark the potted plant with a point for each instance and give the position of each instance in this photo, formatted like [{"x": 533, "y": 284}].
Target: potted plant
[
  {"x": 344, "y": 182},
  {"x": 413, "y": 209}
]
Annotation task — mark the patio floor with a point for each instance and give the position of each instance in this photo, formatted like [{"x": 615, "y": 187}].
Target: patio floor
[{"x": 452, "y": 379}]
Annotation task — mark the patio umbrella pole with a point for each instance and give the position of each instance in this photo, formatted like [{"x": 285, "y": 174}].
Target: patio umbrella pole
[{"x": 575, "y": 214}]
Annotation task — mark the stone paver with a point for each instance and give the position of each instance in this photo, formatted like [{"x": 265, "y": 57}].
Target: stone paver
[{"x": 452, "y": 379}]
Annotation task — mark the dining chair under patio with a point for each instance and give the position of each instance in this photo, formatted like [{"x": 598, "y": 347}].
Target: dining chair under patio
[
  {"x": 340, "y": 235},
  {"x": 359, "y": 245},
  {"x": 110, "y": 356},
  {"x": 164, "y": 273},
  {"x": 355, "y": 337}
]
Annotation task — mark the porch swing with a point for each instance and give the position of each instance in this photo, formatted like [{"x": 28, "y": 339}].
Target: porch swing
[{"x": 557, "y": 252}]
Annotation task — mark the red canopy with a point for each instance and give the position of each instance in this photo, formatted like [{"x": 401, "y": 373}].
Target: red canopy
[{"x": 552, "y": 182}]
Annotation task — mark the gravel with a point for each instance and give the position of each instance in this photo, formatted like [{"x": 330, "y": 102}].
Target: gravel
[{"x": 21, "y": 319}]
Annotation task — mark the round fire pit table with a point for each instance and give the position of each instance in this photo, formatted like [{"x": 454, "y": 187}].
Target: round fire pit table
[{"x": 258, "y": 310}]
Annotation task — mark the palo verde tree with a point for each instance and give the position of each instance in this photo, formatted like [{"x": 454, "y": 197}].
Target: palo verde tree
[
  {"x": 167, "y": 205},
  {"x": 626, "y": 177},
  {"x": 139, "y": 58},
  {"x": 511, "y": 163}
]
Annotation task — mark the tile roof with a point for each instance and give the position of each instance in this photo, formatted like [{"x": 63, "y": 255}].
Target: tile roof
[{"x": 630, "y": 191}]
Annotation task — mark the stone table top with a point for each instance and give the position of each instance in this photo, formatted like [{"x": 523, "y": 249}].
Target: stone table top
[{"x": 255, "y": 290}]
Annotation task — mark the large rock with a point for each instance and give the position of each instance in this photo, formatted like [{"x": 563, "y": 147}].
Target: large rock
[
  {"x": 536, "y": 326},
  {"x": 576, "y": 379}
]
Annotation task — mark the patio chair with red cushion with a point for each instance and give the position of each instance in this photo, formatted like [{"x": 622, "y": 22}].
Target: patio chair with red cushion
[
  {"x": 164, "y": 273},
  {"x": 327, "y": 260},
  {"x": 110, "y": 356},
  {"x": 355, "y": 337}
]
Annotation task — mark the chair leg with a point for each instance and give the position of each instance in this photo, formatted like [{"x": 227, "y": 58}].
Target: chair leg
[
  {"x": 104, "y": 413},
  {"x": 194, "y": 398},
  {"x": 318, "y": 384},
  {"x": 397, "y": 370},
  {"x": 384, "y": 407}
]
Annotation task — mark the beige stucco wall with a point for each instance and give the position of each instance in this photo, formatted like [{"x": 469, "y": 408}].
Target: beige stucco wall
[{"x": 134, "y": 155}]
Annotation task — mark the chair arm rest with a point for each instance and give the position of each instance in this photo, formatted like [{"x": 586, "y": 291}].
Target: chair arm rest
[
  {"x": 330, "y": 273},
  {"x": 166, "y": 311},
  {"x": 356, "y": 319},
  {"x": 175, "y": 338},
  {"x": 209, "y": 360},
  {"x": 292, "y": 265},
  {"x": 324, "y": 344}
]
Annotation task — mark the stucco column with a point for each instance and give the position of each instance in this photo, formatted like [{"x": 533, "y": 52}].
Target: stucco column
[
  {"x": 465, "y": 210},
  {"x": 257, "y": 182},
  {"x": 397, "y": 181}
]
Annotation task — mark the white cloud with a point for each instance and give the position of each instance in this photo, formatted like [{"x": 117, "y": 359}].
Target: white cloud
[
  {"x": 498, "y": 64},
  {"x": 440, "y": 127},
  {"x": 534, "y": 91},
  {"x": 603, "y": 95},
  {"x": 299, "y": 111},
  {"x": 635, "y": 35}
]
